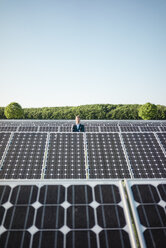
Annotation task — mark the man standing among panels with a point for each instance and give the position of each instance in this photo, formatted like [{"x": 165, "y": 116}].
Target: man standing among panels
[{"x": 78, "y": 127}]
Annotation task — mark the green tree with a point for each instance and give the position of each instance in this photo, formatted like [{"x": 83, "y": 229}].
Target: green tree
[
  {"x": 161, "y": 112},
  {"x": 2, "y": 115},
  {"x": 148, "y": 111},
  {"x": 124, "y": 112},
  {"x": 14, "y": 111}
]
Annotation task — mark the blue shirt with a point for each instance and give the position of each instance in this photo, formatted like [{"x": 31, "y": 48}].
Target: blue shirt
[{"x": 78, "y": 126}]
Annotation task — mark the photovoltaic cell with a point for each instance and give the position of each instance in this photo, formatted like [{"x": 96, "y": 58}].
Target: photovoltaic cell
[
  {"x": 148, "y": 202},
  {"x": 21, "y": 195},
  {"x": 65, "y": 215},
  {"x": 4, "y": 194},
  {"x": 106, "y": 158},
  {"x": 14, "y": 239}
]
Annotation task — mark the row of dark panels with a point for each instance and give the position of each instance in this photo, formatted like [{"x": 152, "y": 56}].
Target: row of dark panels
[
  {"x": 86, "y": 129},
  {"x": 74, "y": 155},
  {"x": 53, "y": 123},
  {"x": 83, "y": 214}
]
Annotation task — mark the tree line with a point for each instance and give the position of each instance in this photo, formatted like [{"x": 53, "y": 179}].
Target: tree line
[{"x": 86, "y": 112}]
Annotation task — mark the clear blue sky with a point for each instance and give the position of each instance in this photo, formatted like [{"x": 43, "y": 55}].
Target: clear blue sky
[{"x": 74, "y": 52}]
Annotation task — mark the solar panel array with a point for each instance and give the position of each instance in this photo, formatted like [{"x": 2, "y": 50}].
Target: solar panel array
[
  {"x": 42, "y": 211},
  {"x": 62, "y": 214},
  {"x": 90, "y": 126},
  {"x": 107, "y": 149}
]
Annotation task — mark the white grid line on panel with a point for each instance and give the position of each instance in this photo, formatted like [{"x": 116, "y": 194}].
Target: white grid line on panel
[
  {"x": 139, "y": 129},
  {"x": 6, "y": 149},
  {"x": 35, "y": 214},
  {"x": 119, "y": 127},
  {"x": 160, "y": 144},
  {"x": 17, "y": 130},
  {"x": 126, "y": 155},
  {"x": 45, "y": 156},
  {"x": 160, "y": 129},
  {"x": 86, "y": 156}
]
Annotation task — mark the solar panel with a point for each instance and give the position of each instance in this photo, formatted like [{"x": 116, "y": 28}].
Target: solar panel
[
  {"x": 124, "y": 123},
  {"x": 29, "y": 123},
  {"x": 7, "y": 128},
  {"x": 149, "y": 129},
  {"x": 24, "y": 158},
  {"x": 109, "y": 128},
  {"x": 145, "y": 155},
  {"x": 148, "y": 203},
  {"x": 129, "y": 129},
  {"x": 64, "y": 214},
  {"x": 28, "y": 129},
  {"x": 66, "y": 158},
  {"x": 91, "y": 128},
  {"x": 154, "y": 123},
  {"x": 8, "y": 123},
  {"x": 66, "y": 129},
  {"x": 139, "y": 123},
  {"x": 106, "y": 157},
  {"x": 49, "y": 129},
  {"x": 112, "y": 123}
]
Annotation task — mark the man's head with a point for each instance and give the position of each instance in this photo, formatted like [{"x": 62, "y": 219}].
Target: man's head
[{"x": 77, "y": 119}]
